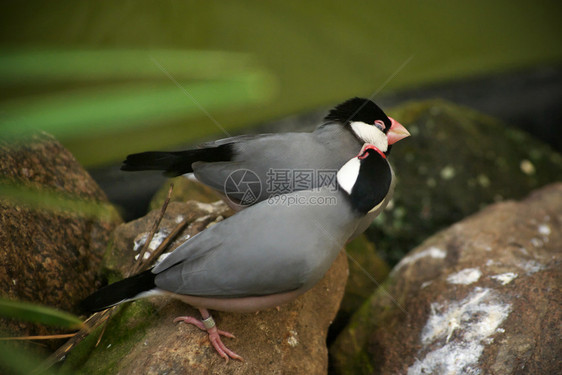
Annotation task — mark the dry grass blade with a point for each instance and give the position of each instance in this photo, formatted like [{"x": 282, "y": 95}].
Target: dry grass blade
[
  {"x": 142, "y": 263},
  {"x": 99, "y": 318}
]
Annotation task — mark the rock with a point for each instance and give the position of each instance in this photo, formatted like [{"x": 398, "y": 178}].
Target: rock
[
  {"x": 482, "y": 297},
  {"x": 128, "y": 238},
  {"x": 456, "y": 162},
  {"x": 185, "y": 189},
  {"x": 142, "y": 338},
  {"x": 55, "y": 225},
  {"x": 366, "y": 272}
]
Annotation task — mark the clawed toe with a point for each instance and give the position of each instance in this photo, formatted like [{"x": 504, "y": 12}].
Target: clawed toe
[{"x": 208, "y": 324}]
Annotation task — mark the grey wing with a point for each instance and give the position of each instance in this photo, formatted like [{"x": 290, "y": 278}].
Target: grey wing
[
  {"x": 234, "y": 179},
  {"x": 192, "y": 249},
  {"x": 263, "y": 165},
  {"x": 262, "y": 253},
  {"x": 221, "y": 275}
]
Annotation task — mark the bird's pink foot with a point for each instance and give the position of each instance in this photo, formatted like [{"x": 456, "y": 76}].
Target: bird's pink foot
[
  {"x": 208, "y": 324},
  {"x": 215, "y": 338}
]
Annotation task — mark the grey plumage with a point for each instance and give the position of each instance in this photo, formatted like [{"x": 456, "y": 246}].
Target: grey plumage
[
  {"x": 327, "y": 148},
  {"x": 274, "y": 254}
]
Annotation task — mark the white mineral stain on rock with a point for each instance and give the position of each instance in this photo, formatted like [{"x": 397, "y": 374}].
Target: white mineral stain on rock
[
  {"x": 433, "y": 252},
  {"x": 504, "y": 278},
  {"x": 208, "y": 207},
  {"x": 426, "y": 283},
  {"x": 458, "y": 331},
  {"x": 157, "y": 239},
  {"x": 292, "y": 340},
  {"x": 202, "y": 218},
  {"x": 531, "y": 266},
  {"x": 139, "y": 241},
  {"x": 544, "y": 229},
  {"x": 465, "y": 277},
  {"x": 536, "y": 242}
]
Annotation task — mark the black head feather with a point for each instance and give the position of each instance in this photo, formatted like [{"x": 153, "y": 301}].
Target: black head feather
[{"x": 358, "y": 109}]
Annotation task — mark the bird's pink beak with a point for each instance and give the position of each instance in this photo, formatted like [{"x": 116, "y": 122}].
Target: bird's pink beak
[{"x": 396, "y": 132}]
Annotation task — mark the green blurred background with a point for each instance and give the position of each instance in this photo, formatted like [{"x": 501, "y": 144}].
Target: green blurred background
[{"x": 111, "y": 78}]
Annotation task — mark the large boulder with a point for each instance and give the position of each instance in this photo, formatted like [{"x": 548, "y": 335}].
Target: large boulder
[
  {"x": 55, "y": 224},
  {"x": 185, "y": 189},
  {"x": 482, "y": 297},
  {"x": 142, "y": 338},
  {"x": 456, "y": 162}
]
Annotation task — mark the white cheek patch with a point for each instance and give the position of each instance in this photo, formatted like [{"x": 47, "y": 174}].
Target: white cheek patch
[
  {"x": 347, "y": 175},
  {"x": 370, "y": 134}
]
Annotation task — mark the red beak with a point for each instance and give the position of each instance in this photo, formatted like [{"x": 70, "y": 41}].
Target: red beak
[{"x": 396, "y": 132}]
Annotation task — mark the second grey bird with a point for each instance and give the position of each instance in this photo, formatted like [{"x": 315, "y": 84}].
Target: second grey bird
[{"x": 263, "y": 159}]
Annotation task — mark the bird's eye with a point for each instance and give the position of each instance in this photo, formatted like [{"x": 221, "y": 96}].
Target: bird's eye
[{"x": 380, "y": 125}]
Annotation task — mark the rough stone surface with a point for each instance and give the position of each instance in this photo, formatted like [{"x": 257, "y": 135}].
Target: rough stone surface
[
  {"x": 456, "y": 162},
  {"x": 366, "y": 272},
  {"x": 54, "y": 226},
  {"x": 482, "y": 297},
  {"x": 184, "y": 189},
  {"x": 141, "y": 337},
  {"x": 128, "y": 238}
]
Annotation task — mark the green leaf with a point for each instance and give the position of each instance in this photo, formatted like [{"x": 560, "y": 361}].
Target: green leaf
[
  {"x": 46, "y": 199},
  {"x": 22, "y": 361},
  {"x": 38, "y": 314},
  {"x": 96, "y": 97}
]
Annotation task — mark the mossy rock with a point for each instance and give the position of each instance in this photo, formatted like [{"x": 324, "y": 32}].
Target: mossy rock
[
  {"x": 456, "y": 162},
  {"x": 366, "y": 272},
  {"x": 468, "y": 300},
  {"x": 185, "y": 189},
  {"x": 103, "y": 350}
]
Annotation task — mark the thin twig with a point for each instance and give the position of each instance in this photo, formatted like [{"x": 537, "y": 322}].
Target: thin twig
[
  {"x": 139, "y": 265},
  {"x": 109, "y": 314}
]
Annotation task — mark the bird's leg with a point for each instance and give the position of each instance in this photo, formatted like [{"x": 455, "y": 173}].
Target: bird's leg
[{"x": 208, "y": 324}]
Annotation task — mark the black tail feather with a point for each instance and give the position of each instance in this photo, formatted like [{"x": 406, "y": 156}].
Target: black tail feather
[
  {"x": 175, "y": 163},
  {"x": 118, "y": 292}
]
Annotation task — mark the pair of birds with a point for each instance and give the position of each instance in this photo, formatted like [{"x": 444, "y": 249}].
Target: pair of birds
[{"x": 268, "y": 254}]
